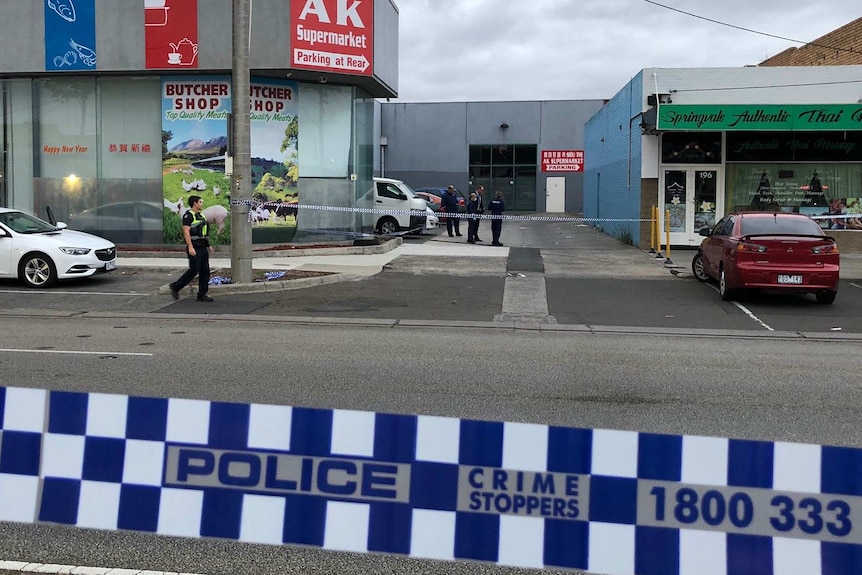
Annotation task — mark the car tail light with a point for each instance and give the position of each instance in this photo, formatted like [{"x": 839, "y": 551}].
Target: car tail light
[
  {"x": 825, "y": 249},
  {"x": 751, "y": 247}
]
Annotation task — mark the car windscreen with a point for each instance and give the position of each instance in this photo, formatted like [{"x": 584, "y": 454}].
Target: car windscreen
[
  {"x": 25, "y": 223},
  {"x": 779, "y": 225},
  {"x": 408, "y": 190}
]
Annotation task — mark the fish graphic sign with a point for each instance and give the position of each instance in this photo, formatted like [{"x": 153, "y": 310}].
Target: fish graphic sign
[{"x": 70, "y": 35}]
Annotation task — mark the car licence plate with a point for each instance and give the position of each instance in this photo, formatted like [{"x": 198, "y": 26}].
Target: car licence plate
[
  {"x": 788, "y": 279},
  {"x": 110, "y": 266}
]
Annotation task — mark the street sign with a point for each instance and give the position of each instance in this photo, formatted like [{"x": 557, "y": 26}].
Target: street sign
[
  {"x": 333, "y": 36},
  {"x": 562, "y": 160}
]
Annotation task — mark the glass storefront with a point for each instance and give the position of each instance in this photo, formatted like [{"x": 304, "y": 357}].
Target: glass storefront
[
  {"x": 814, "y": 173},
  {"x": 706, "y": 175},
  {"x": 95, "y": 151}
]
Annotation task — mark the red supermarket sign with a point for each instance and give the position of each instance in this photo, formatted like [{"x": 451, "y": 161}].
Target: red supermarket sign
[
  {"x": 562, "y": 160},
  {"x": 333, "y": 35}
]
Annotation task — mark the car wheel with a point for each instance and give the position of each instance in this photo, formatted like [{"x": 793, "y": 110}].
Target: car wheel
[
  {"x": 37, "y": 271},
  {"x": 826, "y": 297},
  {"x": 698, "y": 269},
  {"x": 723, "y": 290},
  {"x": 387, "y": 226}
]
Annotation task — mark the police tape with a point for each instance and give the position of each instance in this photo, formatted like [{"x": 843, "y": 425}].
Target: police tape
[
  {"x": 837, "y": 217},
  {"x": 254, "y": 205}
]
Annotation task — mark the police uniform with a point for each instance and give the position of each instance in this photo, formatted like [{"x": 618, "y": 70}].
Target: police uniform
[
  {"x": 199, "y": 264},
  {"x": 496, "y": 207}
]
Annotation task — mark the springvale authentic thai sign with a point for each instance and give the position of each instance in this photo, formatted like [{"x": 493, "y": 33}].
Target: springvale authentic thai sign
[{"x": 820, "y": 117}]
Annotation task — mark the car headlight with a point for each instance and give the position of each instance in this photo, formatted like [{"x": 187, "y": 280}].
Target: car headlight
[{"x": 75, "y": 251}]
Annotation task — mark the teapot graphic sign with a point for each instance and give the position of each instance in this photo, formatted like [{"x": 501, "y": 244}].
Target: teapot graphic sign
[{"x": 171, "y": 34}]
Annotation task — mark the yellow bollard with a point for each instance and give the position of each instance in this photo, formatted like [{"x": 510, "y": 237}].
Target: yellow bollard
[
  {"x": 652, "y": 224},
  {"x": 657, "y": 231},
  {"x": 667, "y": 236}
]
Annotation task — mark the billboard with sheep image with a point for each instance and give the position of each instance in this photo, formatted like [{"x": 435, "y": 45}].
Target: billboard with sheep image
[{"x": 194, "y": 146}]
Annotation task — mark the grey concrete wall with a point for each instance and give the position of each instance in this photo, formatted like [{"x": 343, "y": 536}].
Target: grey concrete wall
[
  {"x": 562, "y": 124},
  {"x": 22, "y": 27},
  {"x": 429, "y": 142},
  {"x": 386, "y": 43}
]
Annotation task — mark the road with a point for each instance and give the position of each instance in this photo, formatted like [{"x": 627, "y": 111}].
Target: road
[
  {"x": 633, "y": 348},
  {"x": 745, "y": 388}
]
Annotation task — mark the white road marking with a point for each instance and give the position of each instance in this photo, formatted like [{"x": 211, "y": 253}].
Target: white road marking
[
  {"x": 73, "y": 352},
  {"x": 32, "y": 291},
  {"x": 746, "y": 311},
  {"x": 856, "y": 285}
]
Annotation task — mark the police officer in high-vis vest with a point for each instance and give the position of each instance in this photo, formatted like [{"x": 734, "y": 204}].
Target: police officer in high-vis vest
[{"x": 198, "y": 249}]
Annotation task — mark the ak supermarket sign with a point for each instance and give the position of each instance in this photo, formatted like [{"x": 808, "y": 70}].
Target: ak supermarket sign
[
  {"x": 562, "y": 160},
  {"x": 333, "y": 36}
]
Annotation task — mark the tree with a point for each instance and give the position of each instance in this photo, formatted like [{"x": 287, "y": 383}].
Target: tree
[{"x": 167, "y": 136}]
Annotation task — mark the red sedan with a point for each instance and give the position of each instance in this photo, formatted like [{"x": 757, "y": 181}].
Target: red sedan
[{"x": 770, "y": 251}]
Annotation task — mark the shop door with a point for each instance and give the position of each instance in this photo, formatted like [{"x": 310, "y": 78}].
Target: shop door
[{"x": 691, "y": 197}]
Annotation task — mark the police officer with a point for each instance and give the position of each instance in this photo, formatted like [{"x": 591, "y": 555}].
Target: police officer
[
  {"x": 496, "y": 206},
  {"x": 449, "y": 203},
  {"x": 198, "y": 249}
]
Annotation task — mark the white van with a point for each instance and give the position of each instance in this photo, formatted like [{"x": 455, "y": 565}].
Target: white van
[{"x": 392, "y": 194}]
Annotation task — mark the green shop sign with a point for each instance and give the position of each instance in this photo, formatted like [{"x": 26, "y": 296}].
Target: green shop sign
[{"x": 760, "y": 118}]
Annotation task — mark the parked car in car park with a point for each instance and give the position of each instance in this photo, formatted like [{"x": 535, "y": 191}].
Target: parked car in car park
[
  {"x": 781, "y": 251},
  {"x": 433, "y": 201},
  {"x": 39, "y": 253},
  {"x": 122, "y": 222},
  {"x": 438, "y": 193}
]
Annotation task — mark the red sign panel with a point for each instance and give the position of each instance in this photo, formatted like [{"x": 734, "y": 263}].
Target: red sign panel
[
  {"x": 562, "y": 160},
  {"x": 333, "y": 35},
  {"x": 171, "y": 34}
]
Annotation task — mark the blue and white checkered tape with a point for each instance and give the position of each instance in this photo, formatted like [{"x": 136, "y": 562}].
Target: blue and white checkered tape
[{"x": 516, "y": 494}]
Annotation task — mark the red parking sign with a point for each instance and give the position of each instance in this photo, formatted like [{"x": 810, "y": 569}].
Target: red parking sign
[
  {"x": 333, "y": 36},
  {"x": 562, "y": 160}
]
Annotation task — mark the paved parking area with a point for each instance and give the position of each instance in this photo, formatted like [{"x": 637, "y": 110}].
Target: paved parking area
[{"x": 687, "y": 303}]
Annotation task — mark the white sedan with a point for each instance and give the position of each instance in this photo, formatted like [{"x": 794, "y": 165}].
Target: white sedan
[{"x": 40, "y": 253}]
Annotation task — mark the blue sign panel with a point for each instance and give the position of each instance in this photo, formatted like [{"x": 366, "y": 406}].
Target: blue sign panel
[
  {"x": 515, "y": 494},
  {"x": 70, "y": 35}
]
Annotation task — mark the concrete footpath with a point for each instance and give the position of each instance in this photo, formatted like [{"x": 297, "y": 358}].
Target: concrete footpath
[{"x": 427, "y": 254}]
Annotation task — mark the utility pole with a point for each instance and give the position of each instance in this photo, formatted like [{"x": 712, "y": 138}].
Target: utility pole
[{"x": 240, "y": 226}]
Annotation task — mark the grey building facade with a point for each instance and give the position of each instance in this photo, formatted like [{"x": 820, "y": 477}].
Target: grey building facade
[
  {"x": 496, "y": 144},
  {"x": 98, "y": 101}
]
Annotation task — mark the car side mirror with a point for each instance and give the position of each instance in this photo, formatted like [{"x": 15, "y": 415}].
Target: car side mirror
[
  {"x": 61, "y": 225},
  {"x": 706, "y": 232}
]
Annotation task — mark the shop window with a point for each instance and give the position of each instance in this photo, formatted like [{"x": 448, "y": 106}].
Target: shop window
[
  {"x": 817, "y": 189},
  {"x": 480, "y": 155},
  {"x": 325, "y": 114},
  {"x": 842, "y": 146},
  {"x": 691, "y": 148},
  {"x": 503, "y": 154}
]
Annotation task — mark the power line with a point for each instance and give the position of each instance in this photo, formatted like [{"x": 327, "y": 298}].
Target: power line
[{"x": 720, "y": 23}]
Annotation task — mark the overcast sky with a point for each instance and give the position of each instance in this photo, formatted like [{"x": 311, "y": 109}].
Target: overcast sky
[{"x": 481, "y": 50}]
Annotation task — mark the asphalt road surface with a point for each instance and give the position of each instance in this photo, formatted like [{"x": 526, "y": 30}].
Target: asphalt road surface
[{"x": 760, "y": 388}]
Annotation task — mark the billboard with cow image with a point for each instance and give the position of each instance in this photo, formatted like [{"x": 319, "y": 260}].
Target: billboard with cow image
[{"x": 194, "y": 147}]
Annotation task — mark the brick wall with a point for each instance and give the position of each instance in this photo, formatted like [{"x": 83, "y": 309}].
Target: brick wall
[
  {"x": 822, "y": 51},
  {"x": 649, "y": 193}
]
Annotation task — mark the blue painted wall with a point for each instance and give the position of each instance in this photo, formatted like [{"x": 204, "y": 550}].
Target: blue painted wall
[{"x": 612, "y": 157}]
